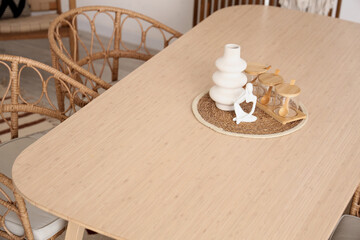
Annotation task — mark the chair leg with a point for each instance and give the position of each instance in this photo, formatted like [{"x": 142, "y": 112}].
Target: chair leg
[
  {"x": 117, "y": 30},
  {"x": 73, "y": 40},
  {"x": 60, "y": 96},
  {"x": 23, "y": 216},
  {"x": 73, "y": 46},
  {"x": 115, "y": 70}
]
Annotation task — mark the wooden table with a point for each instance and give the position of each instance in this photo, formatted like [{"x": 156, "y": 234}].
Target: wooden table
[{"x": 136, "y": 164}]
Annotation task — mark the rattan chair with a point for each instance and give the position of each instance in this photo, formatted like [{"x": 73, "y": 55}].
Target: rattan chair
[
  {"x": 355, "y": 204},
  {"x": 204, "y": 8},
  {"x": 348, "y": 226},
  {"x": 19, "y": 219},
  {"x": 102, "y": 53},
  {"x": 34, "y": 26}
]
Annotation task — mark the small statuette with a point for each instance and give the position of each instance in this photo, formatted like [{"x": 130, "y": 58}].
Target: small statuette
[{"x": 247, "y": 96}]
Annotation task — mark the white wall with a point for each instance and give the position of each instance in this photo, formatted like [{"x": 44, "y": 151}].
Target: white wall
[
  {"x": 174, "y": 13},
  {"x": 350, "y": 10},
  {"x": 178, "y": 14}
]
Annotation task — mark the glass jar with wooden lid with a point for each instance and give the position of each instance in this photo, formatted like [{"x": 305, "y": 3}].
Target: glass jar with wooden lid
[
  {"x": 253, "y": 70},
  {"x": 288, "y": 93},
  {"x": 268, "y": 81}
]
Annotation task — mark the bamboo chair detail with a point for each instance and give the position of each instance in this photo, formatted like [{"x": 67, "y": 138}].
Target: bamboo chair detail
[
  {"x": 12, "y": 104},
  {"x": 80, "y": 64},
  {"x": 204, "y": 8}
]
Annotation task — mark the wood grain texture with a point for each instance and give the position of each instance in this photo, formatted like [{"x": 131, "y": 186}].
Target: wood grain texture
[{"x": 136, "y": 164}]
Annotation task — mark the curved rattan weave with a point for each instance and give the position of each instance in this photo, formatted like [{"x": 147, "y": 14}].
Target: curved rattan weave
[
  {"x": 13, "y": 102},
  {"x": 80, "y": 64}
]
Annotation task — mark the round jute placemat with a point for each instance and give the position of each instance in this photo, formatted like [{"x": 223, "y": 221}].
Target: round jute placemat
[{"x": 265, "y": 126}]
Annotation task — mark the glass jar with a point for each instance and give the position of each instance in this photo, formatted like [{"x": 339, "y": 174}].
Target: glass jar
[
  {"x": 253, "y": 70},
  {"x": 288, "y": 93},
  {"x": 267, "y": 83}
]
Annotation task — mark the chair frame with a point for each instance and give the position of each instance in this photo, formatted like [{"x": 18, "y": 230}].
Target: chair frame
[
  {"x": 69, "y": 62},
  {"x": 18, "y": 104}
]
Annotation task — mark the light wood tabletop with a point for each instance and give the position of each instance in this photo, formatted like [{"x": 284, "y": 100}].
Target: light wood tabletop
[{"x": 135, "y": 163}]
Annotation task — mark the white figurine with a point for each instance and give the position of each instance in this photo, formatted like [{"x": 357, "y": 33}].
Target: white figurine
[{"x": 247, "y": 96}]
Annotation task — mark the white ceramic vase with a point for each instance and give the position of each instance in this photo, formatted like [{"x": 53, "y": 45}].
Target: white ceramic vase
[{"x": 230, "y": 79}]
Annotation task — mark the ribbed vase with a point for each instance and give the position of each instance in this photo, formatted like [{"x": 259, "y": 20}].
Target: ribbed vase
[{"x": 229, "y": 79}]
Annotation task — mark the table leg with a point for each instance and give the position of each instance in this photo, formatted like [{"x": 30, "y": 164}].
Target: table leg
[{"x": 74, "y": 231}]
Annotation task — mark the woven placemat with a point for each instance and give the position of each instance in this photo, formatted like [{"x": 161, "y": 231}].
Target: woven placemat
[{"x": 265, "y": 126}]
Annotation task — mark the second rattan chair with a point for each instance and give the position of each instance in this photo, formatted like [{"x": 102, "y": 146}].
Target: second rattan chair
[
  {"x": 348, "y": 226},
  {"x": 20, "y": 219},
  {"x": 96, "y": 55}
]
